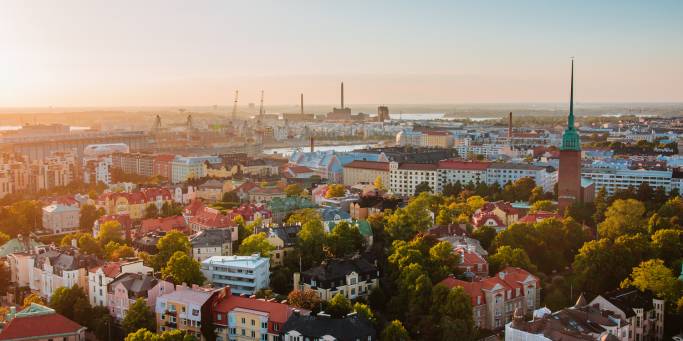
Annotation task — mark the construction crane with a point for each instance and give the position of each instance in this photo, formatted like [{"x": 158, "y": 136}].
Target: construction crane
[{"x": 234, "y": 106}]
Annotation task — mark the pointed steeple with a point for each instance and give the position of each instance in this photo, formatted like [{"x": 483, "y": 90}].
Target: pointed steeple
[{"x": 570, "y": 138}]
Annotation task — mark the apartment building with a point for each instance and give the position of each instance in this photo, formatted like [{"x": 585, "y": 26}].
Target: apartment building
[
  {"x": 186, "y": 309},
  {"x": 643, "y": 312},
  {"x": 452, "y": 171},
  {"x": 134, "y": 163},
  {"x": 244, "y": 274},
  {"x": 134, "y": 203},
  {"x": 494, "y": 299},
  {"x": 439, "y": 139},
  {"x": 354, "y": 277},
  {"x": 59, "y": 218},
  {"x": 183, "y": 168},
  {"x": 97, "y": 170},
  {"x": 504, "y": 172},
  {"x": 365, "y": 172},
  {"x": 615, "y": 179},
  {"x": 404, "y": 177},
  {"x": 123, "y": 291}
]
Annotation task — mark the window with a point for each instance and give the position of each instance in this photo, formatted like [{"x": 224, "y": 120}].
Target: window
[
  {"x": 264, "y": 325},
  {"x": 253, "y": 322},
  {"x": 244, "y": 321}
]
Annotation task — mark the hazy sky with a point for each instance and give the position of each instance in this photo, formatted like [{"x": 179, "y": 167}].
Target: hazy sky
[{"x": 130, "y": 53}]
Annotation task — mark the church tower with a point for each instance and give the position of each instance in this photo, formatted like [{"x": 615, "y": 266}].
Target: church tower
[{"x": 569, "y": 182}]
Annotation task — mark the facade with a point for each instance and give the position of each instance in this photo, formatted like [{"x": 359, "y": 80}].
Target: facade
[
  {"x": 248, "y": 318},
  {"x": 502, "y": 173},
  {"x": 494, "y": 299},
  {"x": 471, "y": 261},
  {"x": 134, "y": 163},
  {"x": 127, "y": 288},
  {"x": 616, "y": 179},
  {"x": 162, "y": 165},
  {"x": 283, "y": 239},
  {"x": 498, "y": 214},
  {"x": 244, "y": 274},
  {"x": 365, "y": 172},
  {"x": 186, "y": 309},
  {"x": 134, "y": 203},
  {"x": 211, "y": 218},
  {"x": 99, "y": 278},
  {"x": 59, "y": 218},
  {"x": 438, "y": 139},
  {"x": 404, "y": 177},
  {"x": 353, "y": 277},
  {"x": 183, "y": 168},
  {"x": 643, "y": 312},
  {"x": 97, "y": 170},
  {"x": 212, "y": 242},
  {"x": 40, "y": 323},
  {"x": 452, "y": 171}
]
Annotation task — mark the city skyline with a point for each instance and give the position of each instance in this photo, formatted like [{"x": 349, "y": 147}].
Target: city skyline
[{"x": 77, "y": 53}]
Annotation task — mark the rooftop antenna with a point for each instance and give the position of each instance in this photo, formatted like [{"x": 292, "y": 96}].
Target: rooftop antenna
[{"x": 234, "y": 106}]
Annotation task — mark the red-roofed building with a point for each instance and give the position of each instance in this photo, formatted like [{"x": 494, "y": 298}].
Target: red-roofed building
[
  {"x": 192, "y": 208},
  {"x": 134, "y": 203},
  {"x": 298, "y": 172},
  {"x": 165, "y": 224},
  {"x": 494, "y": 299},
  {"x": 365, "y": 172},
  {"x": 405, "y": 177},
  {"x": 211, "y": 218},
  {"x": 497, "y": 214},
  {"x": 252, "y": 212},
  {"x": 38, "y": 322},
  {"x": 539, "y": 216},
  {"x": 234, "y": 314},
  {"x": 471, "y": 261},
  {"x": 453, "y": 171}
]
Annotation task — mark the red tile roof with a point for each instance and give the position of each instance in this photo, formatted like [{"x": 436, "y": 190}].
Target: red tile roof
[
  {"x": 374, "y": 165},
  {"x": 480, "y": 219},
  {"x": 538, "y": 216},
  {"x": 417, "y": 166},
  {"x": 299, "y": 169},
  {"x": 211, "y": 218},
  {"x": 277, "y": 312},
  {"x": 193, "y": 207},
  {"x": 464, "y": 165},
  {"x": 163, "y": 224},
  {"x": 164, "y": 158},
  {"x": 509, "y": 278},
  {"x": 39, "y": 326}
]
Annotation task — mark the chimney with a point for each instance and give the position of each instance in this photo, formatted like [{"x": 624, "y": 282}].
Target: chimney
[
  {"x": 342, "y": 95},
  {"x": 510, "y": 125},
  {"x": 312, "y": 144}
]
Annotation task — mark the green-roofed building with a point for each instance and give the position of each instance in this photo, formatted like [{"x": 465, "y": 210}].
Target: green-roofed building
[
  {"x": 19, "y": 244},
  {"x": 365, "y": 230},
  {"x": 281, "y": 207}
]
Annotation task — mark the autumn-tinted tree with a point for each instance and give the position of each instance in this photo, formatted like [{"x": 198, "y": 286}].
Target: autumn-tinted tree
[
  {"x": 365, "y": 311},
  {"x": 667, "y": 245},
  {"x": 335, "y": 191},
  {"x": 339, "y": 306},
  {"x": 303, "y": 216},
  {"x": 652, "y": 275},
  {"x": 181, "y": 268},
  {"x": 310, "y": 243},
  {"x": 32, "y": 298},
  {"x": 89, "y": 214},
  {"x": 405, "y": 222},
  {"x": 379, "y": 183},
  {"x": 307, "y": 299},
  {"x": 256, "y": 243},
  {"x": 623, "y": 217},
  {"x": 4, "y": 238},
  {"x": 168, "y": 245},
  {"x": 395, "y": 331},
  {"x": 110, "y": 231},
  {"x": 507, "y": 256},
  {"x": 139, "y": 316},
  {"x": 543, "y": 205},
  {"x": 484, "y": 235},
  {"x": 293, "y": 190}
]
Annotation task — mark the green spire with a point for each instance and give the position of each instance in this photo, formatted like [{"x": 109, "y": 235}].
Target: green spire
[{"x": 570, "y": 138}]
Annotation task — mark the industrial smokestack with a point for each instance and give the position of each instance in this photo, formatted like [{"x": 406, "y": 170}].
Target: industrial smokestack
[
  {"x": 510, "y": 126},
  {"x": 302, "y": 104},
  {"x": 312, "y": 144},
  {"x": 342, "y": 95}
]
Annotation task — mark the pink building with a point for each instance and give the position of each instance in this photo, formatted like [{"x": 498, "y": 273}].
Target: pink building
[{"x": 127, "y": 288}]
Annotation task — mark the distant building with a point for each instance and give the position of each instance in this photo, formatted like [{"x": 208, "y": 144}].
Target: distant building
[
  {"x": 99, "y": 278},
  {"x": 212, "y": 242},
  {"x": 59, "y": 218},
  {"x": 244, "y": 274},
  {"x": 183, "y": 168},
  {"x": 365, "y": 172},
  {"x": 643, "y": 311},
  {"x": 404, "y": 177},
  {"x": 383, "y": 113}
]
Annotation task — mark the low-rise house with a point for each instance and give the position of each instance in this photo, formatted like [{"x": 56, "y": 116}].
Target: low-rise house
[
  {"x": 211, "y": 218},
  {"x": 123, "y": 219},
  {"x": 211, "y": 242},
  {"x": 211, "y": 191},
  {"x": 463, "y": 241},
  {"x": 369, "y": 205},
  {"x": 20, "y": 244},
  {"x": 472, "y": 262},
  {"x": 99, "y": 278},
  {"x": 186, "y": 309},
  {"x": 331, "y": 216},
  {"x": 354, "y": 277},
  {"x": 38, "y": 322},
  {"x": 252, "y": 212},
  {"x": 265, "y": 194},
  {"x": 60, "y": 219},
  {"x": 323, "y": 327},
  {"x": 249, "y": 318},
  {"x": 128, "y": 287},
  {"x": 498, "y": 215},
  {"x": 134, "y": 203},
  {"x": 494, "y": 299},
  {"x": 148, "y": 242},
  {"x": 643, "y": 311},
  {"x": 165, "y": 224},
  {"x": 283, "y": 239},
  {"x": 244, "y": 274},
  {"x": 53, "y": 269}
]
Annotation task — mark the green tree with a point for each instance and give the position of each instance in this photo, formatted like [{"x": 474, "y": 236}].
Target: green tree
[
  {"x": 116, "y": 251},
  {"x": 623, "y": 217},
  {"x": 73, "y": 303},
  {"x": 452, "y": 189},
  {"x": 110, "y": 231},
  {"x": 230, "y": 196},
  {"x": 395, "y": 331},
  {"x": 168, "y": 245},
  {"x": 139, "y": 316},
  {"x": 543, "y": 205},
  {"x": 422, "y": 187},
  {"x": 170, "y": 209},
  {"x": 442, "y": 259},
  {"x": 667, "y": 245},
  {"x": 365, "y": 311},
  {"x": 151, "y": 211},
  {"x": 88, "y": 245},
  {"x": 601, "y": 205},
  {"x": 339, "y": 306},
  {"x": 451, "y": 312},
  {"x": 183, "y": 269},
  {"x": 654, "y": 276},
  {"x": 507, "y": 256},
  {"x": 256, "y": 243},
  {"x": 415, "y": 217},
  {"x": 335, "y": 191},
  {"x": 142, "y": 335},
  {"x": 303, "y": 216},
  {"x": 484, "y": 235},
  {"x": 293, "y": 190},
  {"x": 310, "y": 242},
  {"x": 89, "y": 214},
  {"x": 344, "y": 239}
]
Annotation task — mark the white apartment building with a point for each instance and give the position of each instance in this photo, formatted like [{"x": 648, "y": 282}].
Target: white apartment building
[
  {"x": 97, "y": 170},
  {"x": 60, "y": 218},
  {"x": 452, "y": 171},
  {"x": 488, "y": 150},
  {"x": 502, "y": 173},
  {"x": 183, "y": 168},
  {"x": 613, "y": 179},
  {"x": 404, "y": 177},
  {"x": 244, "y": 274}
]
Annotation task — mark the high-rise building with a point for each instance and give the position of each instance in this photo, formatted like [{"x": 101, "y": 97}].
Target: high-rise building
[
  {"x": 569, "y": 184},
  {"x": 382, "y": 113}
]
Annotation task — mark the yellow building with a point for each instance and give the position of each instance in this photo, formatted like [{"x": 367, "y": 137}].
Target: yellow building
[{"x": 365, "y": 172}]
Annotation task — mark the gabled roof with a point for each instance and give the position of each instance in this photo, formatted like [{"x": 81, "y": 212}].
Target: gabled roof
[
  {"x": 137, "y": 285},
  {"x": 628, "y": 299},
  {"x": 277, "y": 312},
  {"x": 354, "y": 327},
  {"x": 39, "y": 326},
  {"x": 211, "y": 237},
  {"x": 335, "y": 269},
  {"x": 165, "y": 224}
]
